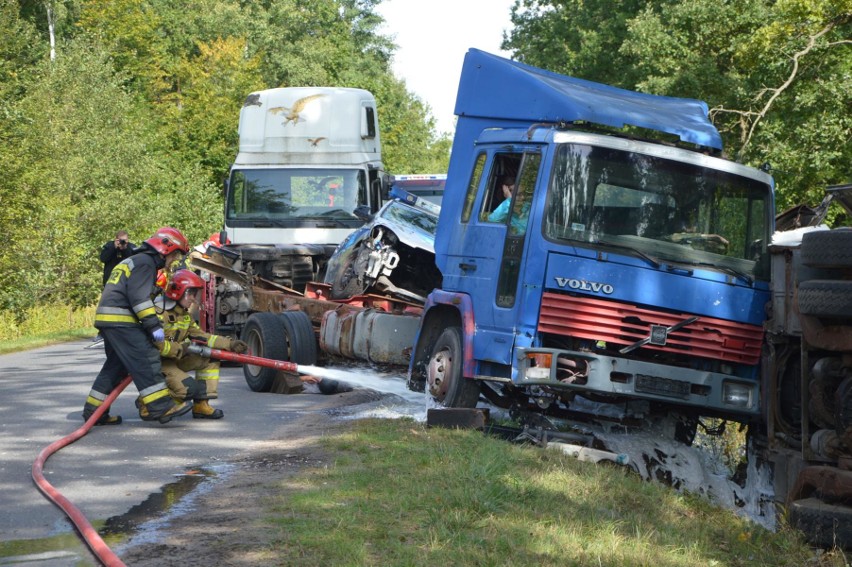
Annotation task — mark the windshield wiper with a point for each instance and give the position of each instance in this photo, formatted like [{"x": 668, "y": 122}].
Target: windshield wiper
[
  {"x": 727, "y": 269},
  {"x": 326, "y": 222},
  {"x": 650, "y": 259}
]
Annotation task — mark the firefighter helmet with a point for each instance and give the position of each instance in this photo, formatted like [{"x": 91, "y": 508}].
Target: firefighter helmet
[
  {"x": 167, "y": 239},
  {"x": 183, "y": 280},
  {"x": 216, "y": 240}
]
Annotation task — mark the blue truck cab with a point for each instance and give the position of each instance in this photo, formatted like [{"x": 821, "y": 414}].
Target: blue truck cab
[{"x": 622, "y": 273}]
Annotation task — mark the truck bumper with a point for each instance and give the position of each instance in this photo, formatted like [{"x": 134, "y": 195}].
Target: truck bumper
[{"x": 574, "y": 371}]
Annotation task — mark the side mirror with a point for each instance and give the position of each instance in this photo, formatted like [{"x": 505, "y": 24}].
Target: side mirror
[{"x": 387, "y": 181}]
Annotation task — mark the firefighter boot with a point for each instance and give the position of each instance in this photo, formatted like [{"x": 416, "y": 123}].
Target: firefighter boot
[
  {"x": 105, "y": 419},
  {"x": 143, "y": 410},
  {"x": 201, "y": 410},
  {"x": 168, "y": 410}
]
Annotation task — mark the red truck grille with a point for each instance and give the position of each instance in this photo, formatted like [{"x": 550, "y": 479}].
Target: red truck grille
[{"x": 624, "y": 324}]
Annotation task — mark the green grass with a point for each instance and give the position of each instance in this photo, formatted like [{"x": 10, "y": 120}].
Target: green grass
[
  {"x": 397, "y": 493},
  {"x": 44, "y": 325}
]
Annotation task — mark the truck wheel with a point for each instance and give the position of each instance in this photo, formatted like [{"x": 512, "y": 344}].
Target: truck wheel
[
  {"x": 827, "y": 248},
  {"x": 823, "y": 524},
  {"x": 299, "y": 334},
  {"x": 826, "y": 298},
  {"x": 264, "y": 334},
  {"x": 444, "y": 378}
]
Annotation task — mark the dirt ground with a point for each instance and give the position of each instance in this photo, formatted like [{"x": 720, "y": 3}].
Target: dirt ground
[{"x": 222, "y": 526}]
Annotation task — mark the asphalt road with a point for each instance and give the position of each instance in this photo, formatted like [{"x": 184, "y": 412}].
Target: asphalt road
[{"x": 113, "y": 468}]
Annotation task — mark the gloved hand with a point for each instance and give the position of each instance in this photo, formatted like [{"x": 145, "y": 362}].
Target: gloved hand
[
  {"x": 159, "y": 335},
  {"x": 239, "y": 347}
]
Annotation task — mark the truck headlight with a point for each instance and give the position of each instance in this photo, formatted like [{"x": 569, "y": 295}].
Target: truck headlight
[{"x": 736, "y": 394}]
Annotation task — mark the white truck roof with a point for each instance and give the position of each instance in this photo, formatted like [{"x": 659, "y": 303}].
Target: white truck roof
[{"x": 309, "y": 125}]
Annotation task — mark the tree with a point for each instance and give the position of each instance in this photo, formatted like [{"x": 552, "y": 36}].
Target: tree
[
  {"x": 134, "y": 123},
  {"x": 775, "y": 74},
  {"x": 89, "y": 163}
]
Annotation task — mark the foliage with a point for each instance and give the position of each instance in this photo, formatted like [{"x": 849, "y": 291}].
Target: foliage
[
  {"x": 43, "y": 321},
  {"x": 777, "y": 75},
  {"x": 134, "y": 124}
]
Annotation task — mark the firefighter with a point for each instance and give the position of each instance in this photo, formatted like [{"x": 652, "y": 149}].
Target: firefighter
[
  {"x": 128, "y": 321},
  {"x": 175, "y": 312}
]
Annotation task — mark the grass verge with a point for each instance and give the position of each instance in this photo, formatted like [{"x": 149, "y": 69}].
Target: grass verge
[
  {"x": 398, "y": 493},
  {"x": 44, "y": 325}
]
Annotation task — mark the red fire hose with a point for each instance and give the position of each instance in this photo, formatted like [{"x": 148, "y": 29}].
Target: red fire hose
[
  {"x": 218, "y": 354},
  {"x": 87, "y": 532}
]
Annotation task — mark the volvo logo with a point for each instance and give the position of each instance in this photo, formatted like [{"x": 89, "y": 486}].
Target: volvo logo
[{"x": 583, "y": 285}]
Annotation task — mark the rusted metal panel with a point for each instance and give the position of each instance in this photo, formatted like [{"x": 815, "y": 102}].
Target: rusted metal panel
[
  {"x": 367, "y": 334},
  {"x": 828, "y": 483}
]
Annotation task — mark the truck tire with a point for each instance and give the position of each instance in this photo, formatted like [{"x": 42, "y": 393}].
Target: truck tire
[
  {"x": 826, "y": 298},
  {"x": 825, "y": 525},
  {"x": 827, "y": 248},
  {"x": 444, "y": 379},
  {"x": 264, "y": 334},
  {"x": 300, "y": 337}
]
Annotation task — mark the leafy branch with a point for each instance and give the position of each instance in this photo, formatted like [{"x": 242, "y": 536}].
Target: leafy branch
[{"x": 755, "y": 117}]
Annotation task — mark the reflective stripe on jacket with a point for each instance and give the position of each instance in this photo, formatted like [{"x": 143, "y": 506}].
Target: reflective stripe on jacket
[
  {"x": 180, "y": 328},
  {"x": 126, "y": 298}
]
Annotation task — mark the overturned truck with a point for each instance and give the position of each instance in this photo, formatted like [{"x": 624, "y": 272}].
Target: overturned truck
[{"x": 807, "y": 371}]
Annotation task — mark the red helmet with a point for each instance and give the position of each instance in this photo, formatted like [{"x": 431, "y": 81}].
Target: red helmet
[
  {"x": 216, "y": 241},
  {"x": 183, "y": 280},
  {"x": 167, "y": 239}
]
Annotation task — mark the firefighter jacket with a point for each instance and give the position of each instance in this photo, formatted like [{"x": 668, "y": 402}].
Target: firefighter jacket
[
  {"x": 181, "y": 328},
  {"x": 126, "y": 298}
]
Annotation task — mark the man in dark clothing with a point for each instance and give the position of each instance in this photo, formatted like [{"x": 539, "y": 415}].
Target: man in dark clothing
[
  {"x": 115, "y": 251},
  {"x": 128, "y": 321}
]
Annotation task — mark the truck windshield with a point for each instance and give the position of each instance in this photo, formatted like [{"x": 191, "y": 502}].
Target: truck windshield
[
  {"x": 673, "y": 211},
  {"x": 301, "y": 194}
]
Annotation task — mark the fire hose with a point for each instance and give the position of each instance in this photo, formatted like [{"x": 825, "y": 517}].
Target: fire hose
[
  {"x": 87, "y": 532},
  {"x": 283, "y": 365},
  {"x": 90, "y": 536}
]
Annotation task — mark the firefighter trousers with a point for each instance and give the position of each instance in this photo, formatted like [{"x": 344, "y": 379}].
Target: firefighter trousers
[
  {"x": 129, "y": 350},
  {"x": 205, "y": 385}
]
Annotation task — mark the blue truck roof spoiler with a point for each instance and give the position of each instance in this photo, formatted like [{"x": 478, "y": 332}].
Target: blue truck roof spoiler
[{"x": 528, "y": 94}]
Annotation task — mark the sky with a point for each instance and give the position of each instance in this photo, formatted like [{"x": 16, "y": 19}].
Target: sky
[{"x": 432, "y": 37}]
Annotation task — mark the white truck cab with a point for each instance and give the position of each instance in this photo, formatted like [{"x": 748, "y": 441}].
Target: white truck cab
[{"x": 309, "y": 158}]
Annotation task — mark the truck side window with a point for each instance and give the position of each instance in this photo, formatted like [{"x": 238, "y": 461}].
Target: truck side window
[
  {"x": 478, "y": 167},
  {"x": 504, "y": 171},
  {"x": 523, "y": 195},
  {"x": 510, "y": 266}
]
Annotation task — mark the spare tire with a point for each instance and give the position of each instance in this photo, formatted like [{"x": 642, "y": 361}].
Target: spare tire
[
  {"x": 827, "y": 248},
  {"x": 826, "y": 298}
]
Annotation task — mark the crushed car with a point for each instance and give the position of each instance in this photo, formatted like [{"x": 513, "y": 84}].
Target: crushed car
[{"x": 393, "y": 254}]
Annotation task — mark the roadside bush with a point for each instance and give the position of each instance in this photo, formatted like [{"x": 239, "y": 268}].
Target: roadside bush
[{"x": 44, "y": 320}]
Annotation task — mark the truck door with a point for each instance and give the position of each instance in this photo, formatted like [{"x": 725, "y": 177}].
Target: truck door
[{"x": 491, "y": 251}]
